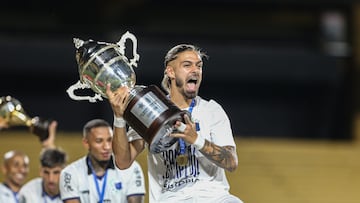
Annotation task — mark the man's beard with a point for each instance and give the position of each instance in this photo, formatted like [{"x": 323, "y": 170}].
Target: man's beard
[
  {"x": 103, "y": 162},
  {"x": 180, "y": 85}
]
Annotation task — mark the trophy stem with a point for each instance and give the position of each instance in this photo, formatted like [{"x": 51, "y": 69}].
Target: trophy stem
[
  {"x": 152, "y": 115},
  {"x": 20, "y": 119}
]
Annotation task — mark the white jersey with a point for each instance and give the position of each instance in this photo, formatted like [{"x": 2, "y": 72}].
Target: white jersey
[
  {"x": 7, "y": 195},
  {"x": 200, "y": 180},
  {"x": 33, "y": 191},
  {"x": 78, "y": 182}
]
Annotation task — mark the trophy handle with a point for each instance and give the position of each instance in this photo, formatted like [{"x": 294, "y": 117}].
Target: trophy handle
[
  {"x": 121, "y": 43},
  {"x": 80, "y": 85}
]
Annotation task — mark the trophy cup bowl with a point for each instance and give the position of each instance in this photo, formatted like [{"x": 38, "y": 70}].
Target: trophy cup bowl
[
  {"x": 13, "y": 114},
  {"x": 101, "y": 63},
  {"x": 149, "y": 112}
]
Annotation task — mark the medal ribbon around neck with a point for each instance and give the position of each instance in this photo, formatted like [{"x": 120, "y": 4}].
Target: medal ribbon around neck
[
  {"x": 102, "y": 192},
  {"x": 15, "y": 196},
  {"x": 181, "y": 141}
]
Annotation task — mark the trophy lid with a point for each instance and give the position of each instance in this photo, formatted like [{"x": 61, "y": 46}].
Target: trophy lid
[{"x": 86, "y": 49}]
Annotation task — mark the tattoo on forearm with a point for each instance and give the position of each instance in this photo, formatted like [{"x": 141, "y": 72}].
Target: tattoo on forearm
[{"x": 224, "y": 157}]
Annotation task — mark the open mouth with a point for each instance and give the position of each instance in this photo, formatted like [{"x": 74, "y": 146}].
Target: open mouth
[
  {"x": 191, "y": 83},
  {"x": 106, "y": 155},
  {"x": 20, "y": 176},
  {"x": 192, "y": 80}
]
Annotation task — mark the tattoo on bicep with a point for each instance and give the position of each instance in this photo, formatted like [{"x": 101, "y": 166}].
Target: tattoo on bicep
[{"x": 221, "y": 156}]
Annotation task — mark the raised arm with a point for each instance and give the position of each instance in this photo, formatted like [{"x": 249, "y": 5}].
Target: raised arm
[
  {"x": 50, "y": 141},
  {"x": 125, "y": 152}
]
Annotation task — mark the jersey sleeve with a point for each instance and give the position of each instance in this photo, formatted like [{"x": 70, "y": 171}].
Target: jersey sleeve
[
  {"x": 25, "y": 196},
  {"x": 32, "y": 191},
  {"x": 221, "y": 131},
  {"x": 136, "y": 181},
  {"x": 68, "y": 184}
]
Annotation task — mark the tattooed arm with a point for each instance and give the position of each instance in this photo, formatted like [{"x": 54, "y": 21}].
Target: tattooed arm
[{"x": 225, "y": 157}]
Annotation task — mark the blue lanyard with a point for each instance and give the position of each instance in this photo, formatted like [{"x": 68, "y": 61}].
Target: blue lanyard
[
  {"x": 15, "y": 196},
  {"x": 181, "y": 141},
  {"x": 102, "y": 192},
  {"x": 191, "y": 107}
]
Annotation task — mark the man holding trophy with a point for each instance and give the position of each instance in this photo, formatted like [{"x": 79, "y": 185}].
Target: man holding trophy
[
  {"x": 193, "y": 168},
  {"x": 189, "y": 139}
]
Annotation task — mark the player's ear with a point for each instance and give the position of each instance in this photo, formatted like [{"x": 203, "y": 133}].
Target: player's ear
[{"x": 85, "y": 143}]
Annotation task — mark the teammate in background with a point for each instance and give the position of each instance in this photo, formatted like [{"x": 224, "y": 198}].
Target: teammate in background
[
  {"x": 46, "y": 187},
  {"x": 94, "y": 177},
  {"x": 193, "y": 170},
  {"x": 15, "y": 168}
]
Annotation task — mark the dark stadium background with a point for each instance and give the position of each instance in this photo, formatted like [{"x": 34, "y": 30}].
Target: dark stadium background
[{"x": 269, "y": 66}]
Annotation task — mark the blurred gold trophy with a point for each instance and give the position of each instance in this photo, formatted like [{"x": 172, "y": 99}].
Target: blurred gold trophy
[{"x": 12, "y": 114}]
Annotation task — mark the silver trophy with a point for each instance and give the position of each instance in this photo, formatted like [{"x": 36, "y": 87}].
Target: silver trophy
[{"x": 149, "y": 112}]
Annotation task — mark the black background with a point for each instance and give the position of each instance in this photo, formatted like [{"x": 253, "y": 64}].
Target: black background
[{"x": 267, "y": 64}]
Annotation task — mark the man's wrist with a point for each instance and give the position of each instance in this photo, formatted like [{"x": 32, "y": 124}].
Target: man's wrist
[
  {"x": 119, "y": 122},
  {"x": 199, "y": 142}
]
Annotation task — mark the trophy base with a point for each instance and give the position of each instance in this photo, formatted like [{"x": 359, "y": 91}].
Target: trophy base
[
  {"x": 152, "y": 115},
  {"x": 40, "y": 127}
]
